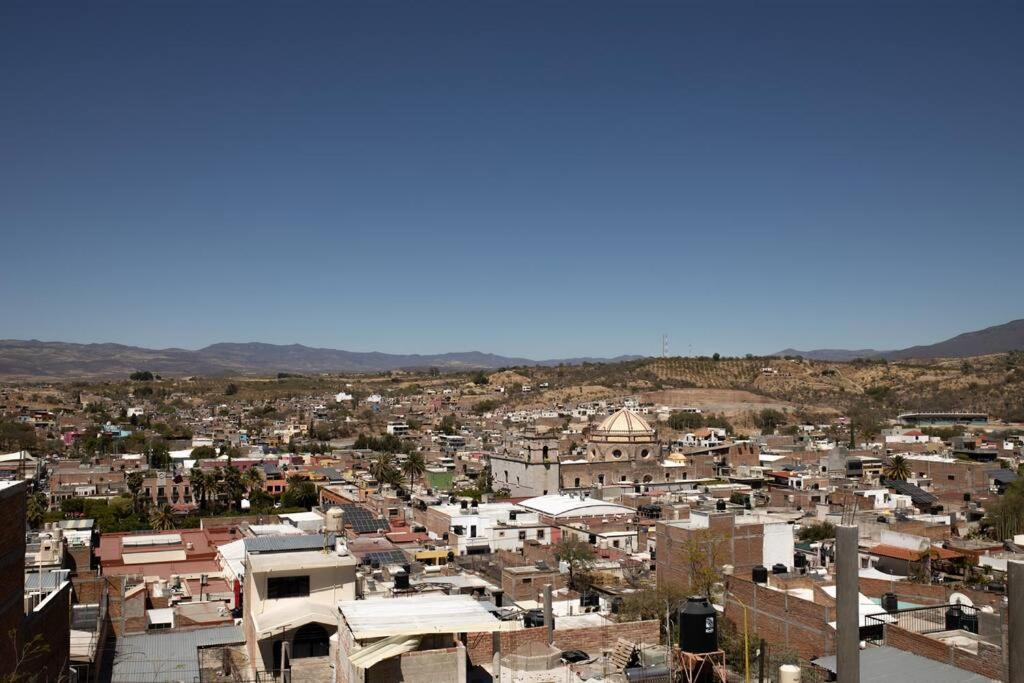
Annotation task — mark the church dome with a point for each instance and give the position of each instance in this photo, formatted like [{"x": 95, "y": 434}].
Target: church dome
[{"x": 623, "y": 425}]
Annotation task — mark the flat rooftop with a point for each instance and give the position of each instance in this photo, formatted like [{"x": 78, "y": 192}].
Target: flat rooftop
[
  {"x": 415, "y": 615},
  {"x": 303, "y": 559}
]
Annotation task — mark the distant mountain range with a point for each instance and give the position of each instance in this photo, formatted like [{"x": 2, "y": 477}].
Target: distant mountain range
[
  {"x": 39, "y": 359},
  {"x": 996, "y": 339}
]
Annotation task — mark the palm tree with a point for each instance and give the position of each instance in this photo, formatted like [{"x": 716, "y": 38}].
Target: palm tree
[
  {"x": 253, "y": 480},
  {"x": 234, "y": 487},
  {"x": 414, "y": 466},
  {"x": 35, "y": 509},
  {"x": 162, "y": 518},
  {"x": 897, "y": 468},
  {"x": 197, "y": 478},
  {"x": 381, "y": 467},
  {"x": 133, "y": 480}
]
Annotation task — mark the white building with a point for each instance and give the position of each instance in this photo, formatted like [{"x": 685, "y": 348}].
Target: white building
[{"x": 290, "y": 597}]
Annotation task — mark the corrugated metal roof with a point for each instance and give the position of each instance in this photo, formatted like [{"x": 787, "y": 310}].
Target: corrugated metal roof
[
  {"x": 284, "y": 544},
  {"x": 168, "y": 656},
  {"x": 883, "y": 664}
]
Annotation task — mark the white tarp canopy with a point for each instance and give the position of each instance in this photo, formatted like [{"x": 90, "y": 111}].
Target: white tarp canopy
[
  {"x": 394, "y": 646},
  {"x": 292, "y": 615},
  {"x": 418, "y": 615}
]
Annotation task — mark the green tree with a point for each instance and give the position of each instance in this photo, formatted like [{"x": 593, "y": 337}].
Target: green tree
[
  {"x": 133, "y": 481},
  {"x": 35, "y": 509},
  {"x": 231, "y": 389},
  {"x": 700, "y": 554},
  {"x": 141, "y": 376},
  {"x": 1005, "y": 519},
  {"x": 769, "y": 419},
  {"x": 162, "y": 518},
  {"x": 479, "y": 377},
  {"x": 234, "y": 487},
  {"x": 897, "y": 468},
  {"x": 159, "y": 454},
  {"x": 203, "y": 453},
  {"x": 449, "y": 424},
  {"x": 199, "y": 482},
  {"x": 381, "y": 467},
  {"x": 817, "y": 532},
  {"x": 685, "y": 420},
  {"x": 299, "y": 493},
  {"x": 576, "y": 553},
  {"x": 414, "y": 466},
  {"x": 253, "y": 480},
  {"x": 260, "y": 501}
]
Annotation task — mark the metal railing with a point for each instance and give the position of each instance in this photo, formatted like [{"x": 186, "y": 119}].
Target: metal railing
[{"x": 923, "y": 620}]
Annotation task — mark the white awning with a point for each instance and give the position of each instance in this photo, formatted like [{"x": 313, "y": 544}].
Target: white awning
[
  {"x": 292, "y": 615},
  {"x": 366, "y": 657}
]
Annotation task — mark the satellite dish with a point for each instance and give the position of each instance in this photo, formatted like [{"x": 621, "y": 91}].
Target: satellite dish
[{"x": 960, "y": 598}]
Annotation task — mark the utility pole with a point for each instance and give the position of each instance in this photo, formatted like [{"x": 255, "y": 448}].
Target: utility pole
[{"x": 847, "y": 611}]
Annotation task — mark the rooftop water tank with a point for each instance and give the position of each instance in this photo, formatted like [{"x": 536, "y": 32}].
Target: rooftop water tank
[
  {"x": 698, "y": 626},
  {"x": 402, "y": 581},
  {"x": 778, "y": 568},
  {"x": 335, "y": 521},
  {"x": 759, "y": 574},
  {"x": 890, "y": 603}
]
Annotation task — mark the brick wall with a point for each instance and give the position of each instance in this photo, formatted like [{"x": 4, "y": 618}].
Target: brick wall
[
  {"x": 592, "y": 640},
  {"x": 988, "y": 662},
  {"x": 781, "y": 619},
  {"x": 924, "y": 594}
]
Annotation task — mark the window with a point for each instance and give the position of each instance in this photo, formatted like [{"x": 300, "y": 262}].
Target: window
[
  {"x": 526, "y": 581},
  {"x": 645, "y": 453},
  {"x": 615, "y": 543},
  {"x": 576, "y": 482},
  {"x": 287, "y": 587},
  {"x": 522, "y": 535},
  {"x": 540, "y": 533},
  {"x": 951, "y": 477},
  {"x": 617, "y": 453}
]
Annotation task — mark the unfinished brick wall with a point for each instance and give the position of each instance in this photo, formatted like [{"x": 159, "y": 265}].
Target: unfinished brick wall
[
  {"x": 591, "y": 640},
  {"x": 988, "y": 662},
  {"x": 781, "y": 619},
  {"x": 925, "y": 594}
]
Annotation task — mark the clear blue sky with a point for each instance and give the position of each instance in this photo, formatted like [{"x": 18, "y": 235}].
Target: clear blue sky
[{"x": 539, "y": 179}]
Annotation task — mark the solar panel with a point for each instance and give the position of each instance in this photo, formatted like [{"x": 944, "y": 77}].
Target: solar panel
[
  {"x": 384, "y": 557},
  {"x": 362, "y": 520}
]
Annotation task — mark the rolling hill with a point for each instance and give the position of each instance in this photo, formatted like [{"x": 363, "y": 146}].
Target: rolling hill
[
  {"x": 62, "y": 360},
  {"x": 996, "y": 339}
]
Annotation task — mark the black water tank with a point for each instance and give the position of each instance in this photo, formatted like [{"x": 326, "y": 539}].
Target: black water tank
[
  {"x": 496, "y": 597},
  {"x": 890, "y": 603},
  {"x": 592, "y": 539},
  {"x": 533, "y": 618},
  {"x": 954, "y": 615},
  {"x": 799, "y": 560},
  {"x": 698, "y": 626},
  {"x": 720, "y": 505},
  {"x": 778, "y": 568},
  {"x": 590, "y": 599},
  {"x": 759, "y": 574},
  {"x": 464, "y": 504},
  {"x": 402, "y": 581},
  {"x": 969, "y": 622},
  {"x": 616, "y": 604}
]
